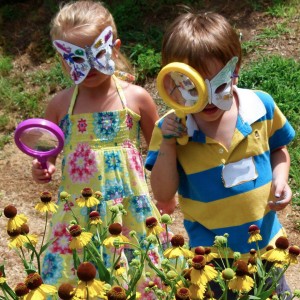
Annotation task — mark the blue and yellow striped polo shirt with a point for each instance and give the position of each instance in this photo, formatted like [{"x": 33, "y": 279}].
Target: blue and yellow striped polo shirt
[{"x": 210, "y": 208}]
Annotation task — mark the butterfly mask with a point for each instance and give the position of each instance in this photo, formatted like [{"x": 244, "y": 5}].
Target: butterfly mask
[
  {"x": 82, "y": 60},
  {"x": 220, "y": 87}
]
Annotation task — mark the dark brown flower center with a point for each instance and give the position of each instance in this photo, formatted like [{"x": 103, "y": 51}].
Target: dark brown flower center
[
  {"x": 198, "y": 262},
  {"x": 65, "y": 291},
  {"x": 10, "y": 211},
  {"x": 177, "y": 240},
  {"x": 200, "y": 250},
  {"x": 116, "y": 293},
  {"x": 241, "y": 268},
  {"x": 21, "y": 289},
  {"x": 115, "y": 229},
  {"x": 151, "y": 222},
  {"x": 86, "y": 271},
  {"x": 182, "y": 294},
  {"x": 87, "y": 192},
  {"x": 46, "y": 197},
  {"x": 253, "y": 229},
  {"x": 282, "y": 243},
  {"x": 75, "y": 230},
  {"x": 33, "y": 281},
  {"x": 294, "y": 250},
  {"x": 94, "y": 215}
]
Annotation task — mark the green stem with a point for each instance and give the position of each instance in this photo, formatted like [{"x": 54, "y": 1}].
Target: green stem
[{"x": 46, "y": 221}]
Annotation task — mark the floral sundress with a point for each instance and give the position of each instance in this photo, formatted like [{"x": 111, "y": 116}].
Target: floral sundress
[{"x": 101, "y": 152}]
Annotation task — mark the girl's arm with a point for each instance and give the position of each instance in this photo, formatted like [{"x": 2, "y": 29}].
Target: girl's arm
[
  {"x": 280, "y": 160},
  {"x": 53, "y": 113}
]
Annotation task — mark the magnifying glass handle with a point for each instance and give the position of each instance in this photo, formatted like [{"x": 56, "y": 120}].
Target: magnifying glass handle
[
  {"x": 43, "y": 162},
  {"x": 184, "y": 139}
]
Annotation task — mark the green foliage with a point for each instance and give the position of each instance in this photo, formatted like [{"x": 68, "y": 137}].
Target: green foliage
[
  {"x": 146, "y": 62},
  {"x": 282, "y": 8},
  {"x": 10, "y": 12},
  {"x": 5, "y": 65},
  {"x": 280, "y": 77}
]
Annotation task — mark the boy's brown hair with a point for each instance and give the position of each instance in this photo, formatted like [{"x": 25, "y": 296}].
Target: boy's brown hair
[{"x": 200, "y": 39}]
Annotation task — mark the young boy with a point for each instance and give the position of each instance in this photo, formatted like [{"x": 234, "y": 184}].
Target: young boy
[{"x": 233, "y": 172}]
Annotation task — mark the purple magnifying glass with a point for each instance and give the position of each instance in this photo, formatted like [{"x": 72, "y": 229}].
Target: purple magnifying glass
[{"x": 40, "y": 139}]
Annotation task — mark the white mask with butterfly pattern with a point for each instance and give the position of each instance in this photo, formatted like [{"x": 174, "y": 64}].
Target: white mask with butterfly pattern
[{"x": 82, "y": 60}]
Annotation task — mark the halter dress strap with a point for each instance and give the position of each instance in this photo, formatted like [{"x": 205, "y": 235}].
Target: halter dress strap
[
  {"x": 119, "y": 90},
  {"x": 73, "y": 100}
]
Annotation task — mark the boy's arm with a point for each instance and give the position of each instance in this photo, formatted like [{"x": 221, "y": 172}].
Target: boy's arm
[{"x": 280, "y": 160}]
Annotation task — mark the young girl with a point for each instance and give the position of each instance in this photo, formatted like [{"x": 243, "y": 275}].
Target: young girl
[{"x": 101, "y": 117}]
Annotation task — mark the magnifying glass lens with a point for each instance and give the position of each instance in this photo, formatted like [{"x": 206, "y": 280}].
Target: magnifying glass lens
[
  {"x": 39, "y": 139},
  {"x": 182, "y": 89}
]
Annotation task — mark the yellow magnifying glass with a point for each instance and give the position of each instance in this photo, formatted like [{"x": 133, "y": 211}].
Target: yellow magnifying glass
[{"x": 182, "y": 88}]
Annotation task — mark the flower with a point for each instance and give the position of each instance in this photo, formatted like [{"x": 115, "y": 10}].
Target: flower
[
  {"x": 46, "y": 205},
  {"x": 88, "y": 285},
  {"x": 116, "y": 293},
  {"x": 115, "y": 230},
  {"x": 21, "y": 237},
  {"x": 15, "y": 221},
  {"x": 21, "y": 289},
  {"x": 153, "y": 226},
  {"x": 197, "y": 292},
  {"x": 183, "y": 294},
  {"x": 293, "y": 254},
  {"x": 241, "y": 282},
  {"x": 95, "y": 218},
  {"x": 79, "y": 238},
  {"x": 38, "y": 290},
  {"x": 66, "y": 291},
  {"x": 278, "y": 254},
  {"x": 254, "y": 232},
  {"x": 2, "y": 278},
  {"x": 120, "y": 270},
  {"x": 177, "y": 249},
  {"x": 201, "y": 273},
  {"x": 87, "y": 199},
  {"x": 206, "y": 251}
]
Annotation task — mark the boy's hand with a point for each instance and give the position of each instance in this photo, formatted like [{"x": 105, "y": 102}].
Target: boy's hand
[
  {"x": 172, "y": 128},
  {"x": 283, "y": 195},
  {"x": 40, "y": 175},
  {"x": 166, "y": 207}
]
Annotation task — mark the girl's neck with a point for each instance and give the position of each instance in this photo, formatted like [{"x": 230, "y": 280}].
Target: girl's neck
[{"x": 103, "y": 97}]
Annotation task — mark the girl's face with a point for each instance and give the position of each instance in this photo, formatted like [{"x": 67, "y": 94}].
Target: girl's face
[{"x": 84, "y": 56}]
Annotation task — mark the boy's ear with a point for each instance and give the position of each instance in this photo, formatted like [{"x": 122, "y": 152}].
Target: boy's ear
[{"x": 236, "y": 78}]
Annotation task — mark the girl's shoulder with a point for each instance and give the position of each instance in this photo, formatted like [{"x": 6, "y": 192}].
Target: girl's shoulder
[{"x": 58, "y": 106}]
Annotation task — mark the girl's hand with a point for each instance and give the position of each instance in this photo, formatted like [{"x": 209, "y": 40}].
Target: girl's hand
[
  {"x": 172, "y": 128},
  {"x": 40, "y": 175},
  {"x": 283, "y": 195}
]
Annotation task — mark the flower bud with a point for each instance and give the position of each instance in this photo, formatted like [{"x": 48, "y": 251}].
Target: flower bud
[{"x": 228, "y": 274}]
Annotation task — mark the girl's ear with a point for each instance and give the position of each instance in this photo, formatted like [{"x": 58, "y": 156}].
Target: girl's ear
[{"x": 117, "y": 44}]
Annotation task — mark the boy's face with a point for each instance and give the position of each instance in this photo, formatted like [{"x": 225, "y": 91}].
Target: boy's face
[
  {"x": 82, "y": 55},
  {"x": 219, "y": 83}
]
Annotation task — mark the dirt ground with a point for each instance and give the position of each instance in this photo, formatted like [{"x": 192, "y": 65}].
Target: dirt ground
[{"x": 17, "y": 187}]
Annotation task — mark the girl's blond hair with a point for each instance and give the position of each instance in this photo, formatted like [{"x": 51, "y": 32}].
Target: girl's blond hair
[
  {"x": 85, "y": 18},
  {"x": 200, "y": 39}
]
